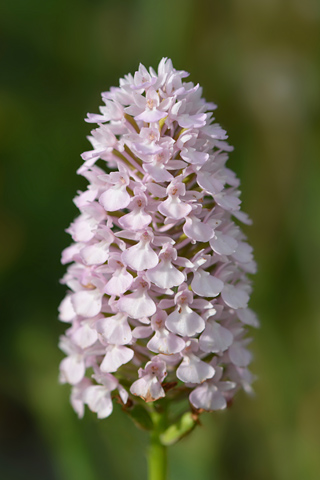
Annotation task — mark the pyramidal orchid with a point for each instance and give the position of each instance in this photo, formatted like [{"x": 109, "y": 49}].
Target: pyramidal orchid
[{"x": 158, "y": 288}]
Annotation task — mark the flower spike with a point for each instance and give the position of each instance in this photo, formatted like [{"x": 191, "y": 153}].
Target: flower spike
[{"x": 158, "y": 287}]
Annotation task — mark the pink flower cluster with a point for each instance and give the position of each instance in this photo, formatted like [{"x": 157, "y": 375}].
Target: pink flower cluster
[{"x": 158, "y": 287}]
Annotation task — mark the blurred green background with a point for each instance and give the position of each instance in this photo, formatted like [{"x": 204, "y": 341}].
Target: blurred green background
[{"x": 260, "y": 62}]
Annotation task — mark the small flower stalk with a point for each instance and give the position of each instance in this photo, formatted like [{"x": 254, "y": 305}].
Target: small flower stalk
[{"x": 158, "y": 288}]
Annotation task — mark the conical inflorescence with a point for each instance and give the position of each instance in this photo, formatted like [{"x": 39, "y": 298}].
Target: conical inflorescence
[{"x": 158, "y": 289}]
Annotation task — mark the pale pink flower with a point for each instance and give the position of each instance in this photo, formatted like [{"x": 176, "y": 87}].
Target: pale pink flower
[
  {"x": 158, "y": 285},
  {"x": 148, "y": 387}
]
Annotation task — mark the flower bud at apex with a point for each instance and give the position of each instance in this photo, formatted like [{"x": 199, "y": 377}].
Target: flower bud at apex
[{"x": 158, "y": 276}]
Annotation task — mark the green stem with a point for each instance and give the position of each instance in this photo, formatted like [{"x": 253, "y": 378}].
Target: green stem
[{"x": 157, "y": 455}]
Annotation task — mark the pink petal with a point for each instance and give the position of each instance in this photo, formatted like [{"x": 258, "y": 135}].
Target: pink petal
[
  {"x": 174, "y": 208},
  {"x": 87, "y": 303},
  {"x": 248, "y": 317},
  {"x": 151, "y": 116},
  {"x": 166, "y": 343},
  {"x": 234, "y": 297},
  {"x": 215, "y": 338},
  {"x": 70, "y": 253},
  {"x": 123, "y": 394},
  {"x": 99, "y": 400},
  {"x": 140, "y": 257},
  {"x": 119, "y": 283},
  {"x": 66, "y": 310},
  {"x": 158, "y": 172},
  {"x": 206, "y": 285},
  {"x": 96, "y": 118},
  {"x": 137, "y": 305},
  {"x": 223, "y": 244},
  {"x": 243, "y": 217},
  {"x": 187, "y": 323},
  {"x": 208, "y": 398},
  {"x": 243, "y": 253},
  {"x": 148, "y": 388},
  {"x": 209, "y": 183},
  {"x": 194, "y": 370},
  {"x": 95, "y": 254},
  {"x": 77, "y": 396},
  {"x": 142, "y": 332},
  {"x": 228, "y": 202},
  {"x": 147, "y": 148},
  {"x": 72, "y": 369},
  {"x": 115, "y": 199},
  {"x": 192, "y": 121},
  {"x": 165, "y": 275},
  {"x": 85, "y": 336},
  {"x": 116, "y": 356},
  {"x": 83, "y": 228},
  {"x": 197, "y": 230},
  {"x": 135, "y": 220},
  {"x": 239, "y": 355},
  {"x": 115, "y": 329},
  {"x": 193, "y": 156}
]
